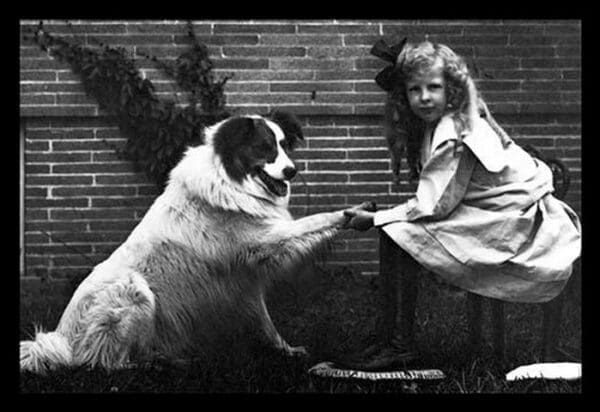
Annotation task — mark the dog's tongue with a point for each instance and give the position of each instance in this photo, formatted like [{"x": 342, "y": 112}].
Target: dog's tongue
[
  {"x": 277, "y": 187},
  {"x": 280, "y": 188}
]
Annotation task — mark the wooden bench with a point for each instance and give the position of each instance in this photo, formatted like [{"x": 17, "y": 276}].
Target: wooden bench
[{"x": 406, "y": 283}]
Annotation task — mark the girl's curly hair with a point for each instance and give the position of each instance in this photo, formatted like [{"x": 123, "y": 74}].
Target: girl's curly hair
[{"x": 403, "y": 129}]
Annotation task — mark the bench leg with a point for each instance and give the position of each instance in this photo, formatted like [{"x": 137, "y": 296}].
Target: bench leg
[
  {"x": 474, "y": 315},
  {"x": 398, "y": 271},
  {"x": 388, "y": 277},
  {"x": 498, "y": 330},
  {"x": 551, "y": 329}
]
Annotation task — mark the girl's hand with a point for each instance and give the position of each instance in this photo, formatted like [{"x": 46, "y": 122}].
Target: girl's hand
[{"x": 359, "y": 219}]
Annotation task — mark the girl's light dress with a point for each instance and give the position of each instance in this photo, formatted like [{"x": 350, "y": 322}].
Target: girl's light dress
[{"x": 484, "y": 218}]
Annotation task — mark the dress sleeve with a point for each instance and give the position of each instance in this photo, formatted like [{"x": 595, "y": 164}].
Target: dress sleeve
[{"x": 441, "y": 187}]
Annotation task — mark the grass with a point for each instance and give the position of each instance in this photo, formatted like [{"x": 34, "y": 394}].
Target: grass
[{"x": 332, "y": 314}]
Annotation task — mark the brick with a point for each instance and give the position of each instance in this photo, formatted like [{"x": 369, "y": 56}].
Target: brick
[
  {"x": 93, "y": 191},
  {"x": 148, "y": 191},
  {"x": 81, "y": 145},
  {"x": 36, "y": 192},
  {"x": 260, "y": 51},
  {"x": 370, "y": 177},
  {"x": 370, "y": 109},
  {"x": 36, "y": 238},
  {"x": 254, "y": 28},
  {"x": 574, "y": 28},
  {"x": 343, "y": 165},
  {"x": 92, "y": 168},
  {"x": 36, "y": 146},
  {"x": 66, "y": 111},
  {"x": 268, "y": 75},
  {"x": 300, "y": 39},
  {"x": 346, "y": 75},
  {"x": 311, "y": 131},
  {"x": 320, "y": 200},
  {"x": 80, "y": 260},
  {"x": 366, "y": 39},
  {"x": 524, "y": 40},
  {"x": 93, "y": 237},
  {"x": 57, "y": 249},
  {"x": 339, "y": 28},
  {"x": 133, "y": 39},
  {"x": 74, "y": 98},
  {"x": 318, "y": 154},
  {"x": 347, "y": 143},
  {"x": 122, "y": 202},
  {"x": 83, "y": 28},
  {"x": 87, "y": 214},
  {"x": 355, "y": 255},
  {"x": 330, "y": 52},
  {"x": 152, "y": 28},
  {"x": 35, "y": 214},
  {"x": 527, "y": 63},
  {"x": 47, "y": 63},
  {"x": 52, "y": 180},
  {"x": 39, "y": 87},
  {"x": 57, "y": 157},
  {"x": 222, "y": 39},
  {"x": 543, "y": 85},
  {"x": 311, "y": 86},
  {"x": 310, "y": 64},
  {"x": 514, "y": 51},
  {"x": 367, "y": 154},
  {"x": 36, "y": 99},
  {"x": 112, "y": 225},
  {"x": 325, "y": 177},
  {"x": 345, "y": 98},
  {"x": 31, "y": 169},
  {"x": 59, "y": 134},
  {"x": 353, "y": 188},
  {"x": 54, "y": 203},
  {"x": 55, "y": 226},
  {"x": 245, "y": 64},
  {"x": 37, "y": 75},
  {"x": 269, "y": 98}
]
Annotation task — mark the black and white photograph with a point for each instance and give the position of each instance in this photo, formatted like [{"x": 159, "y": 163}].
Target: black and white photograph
[{"x": 300, "y": 206}]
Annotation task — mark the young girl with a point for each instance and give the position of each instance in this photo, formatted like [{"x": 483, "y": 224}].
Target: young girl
[{"x": 483, "y": 217}]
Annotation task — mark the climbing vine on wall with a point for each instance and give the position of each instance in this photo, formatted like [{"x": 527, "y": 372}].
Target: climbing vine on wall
[{"x": 157, "y": 130}]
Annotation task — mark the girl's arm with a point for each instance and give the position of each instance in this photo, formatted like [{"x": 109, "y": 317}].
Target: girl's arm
[{"x": 442, "y": 186}]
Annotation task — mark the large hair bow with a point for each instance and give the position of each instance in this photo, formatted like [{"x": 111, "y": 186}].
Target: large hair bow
[{"x": 385, "y": 78}]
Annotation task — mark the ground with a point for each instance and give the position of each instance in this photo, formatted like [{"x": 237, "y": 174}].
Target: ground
[{"x": 334, "y": 313}]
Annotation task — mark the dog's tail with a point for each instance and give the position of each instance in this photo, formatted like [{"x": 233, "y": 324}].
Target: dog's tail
[{"x": 48, "y": 350}]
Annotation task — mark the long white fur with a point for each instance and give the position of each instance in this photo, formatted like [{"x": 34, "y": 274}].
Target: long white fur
[{"x": 206, "y": 242}]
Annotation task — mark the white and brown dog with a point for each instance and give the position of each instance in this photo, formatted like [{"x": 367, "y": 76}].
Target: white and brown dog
[{"x": 215, "y": 238}]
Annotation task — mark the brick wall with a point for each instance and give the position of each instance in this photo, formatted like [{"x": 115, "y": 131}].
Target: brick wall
[{"x": 81, "y": 200}]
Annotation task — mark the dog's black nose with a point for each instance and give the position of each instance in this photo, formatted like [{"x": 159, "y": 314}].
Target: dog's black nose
[{"x": 289, "y": 173}]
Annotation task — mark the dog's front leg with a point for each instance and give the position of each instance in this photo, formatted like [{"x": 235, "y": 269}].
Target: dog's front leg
[
  {"x": 272, "y": 335},
  {"x": 309, "y": 224},
  {"x": 318, "y": 222}
]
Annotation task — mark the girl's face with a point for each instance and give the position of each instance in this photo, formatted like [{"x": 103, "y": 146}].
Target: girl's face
[{"x": 426, "y": 93}]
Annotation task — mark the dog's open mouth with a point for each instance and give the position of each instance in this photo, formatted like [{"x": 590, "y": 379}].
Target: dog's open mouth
[{"x": 276, "y": 186}]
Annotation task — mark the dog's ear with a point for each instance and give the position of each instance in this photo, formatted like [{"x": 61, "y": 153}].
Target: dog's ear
[{"x": 289, "y": 123}]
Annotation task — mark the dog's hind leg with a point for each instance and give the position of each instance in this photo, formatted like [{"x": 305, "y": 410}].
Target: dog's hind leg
[{"x": 117, "y": 324}]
